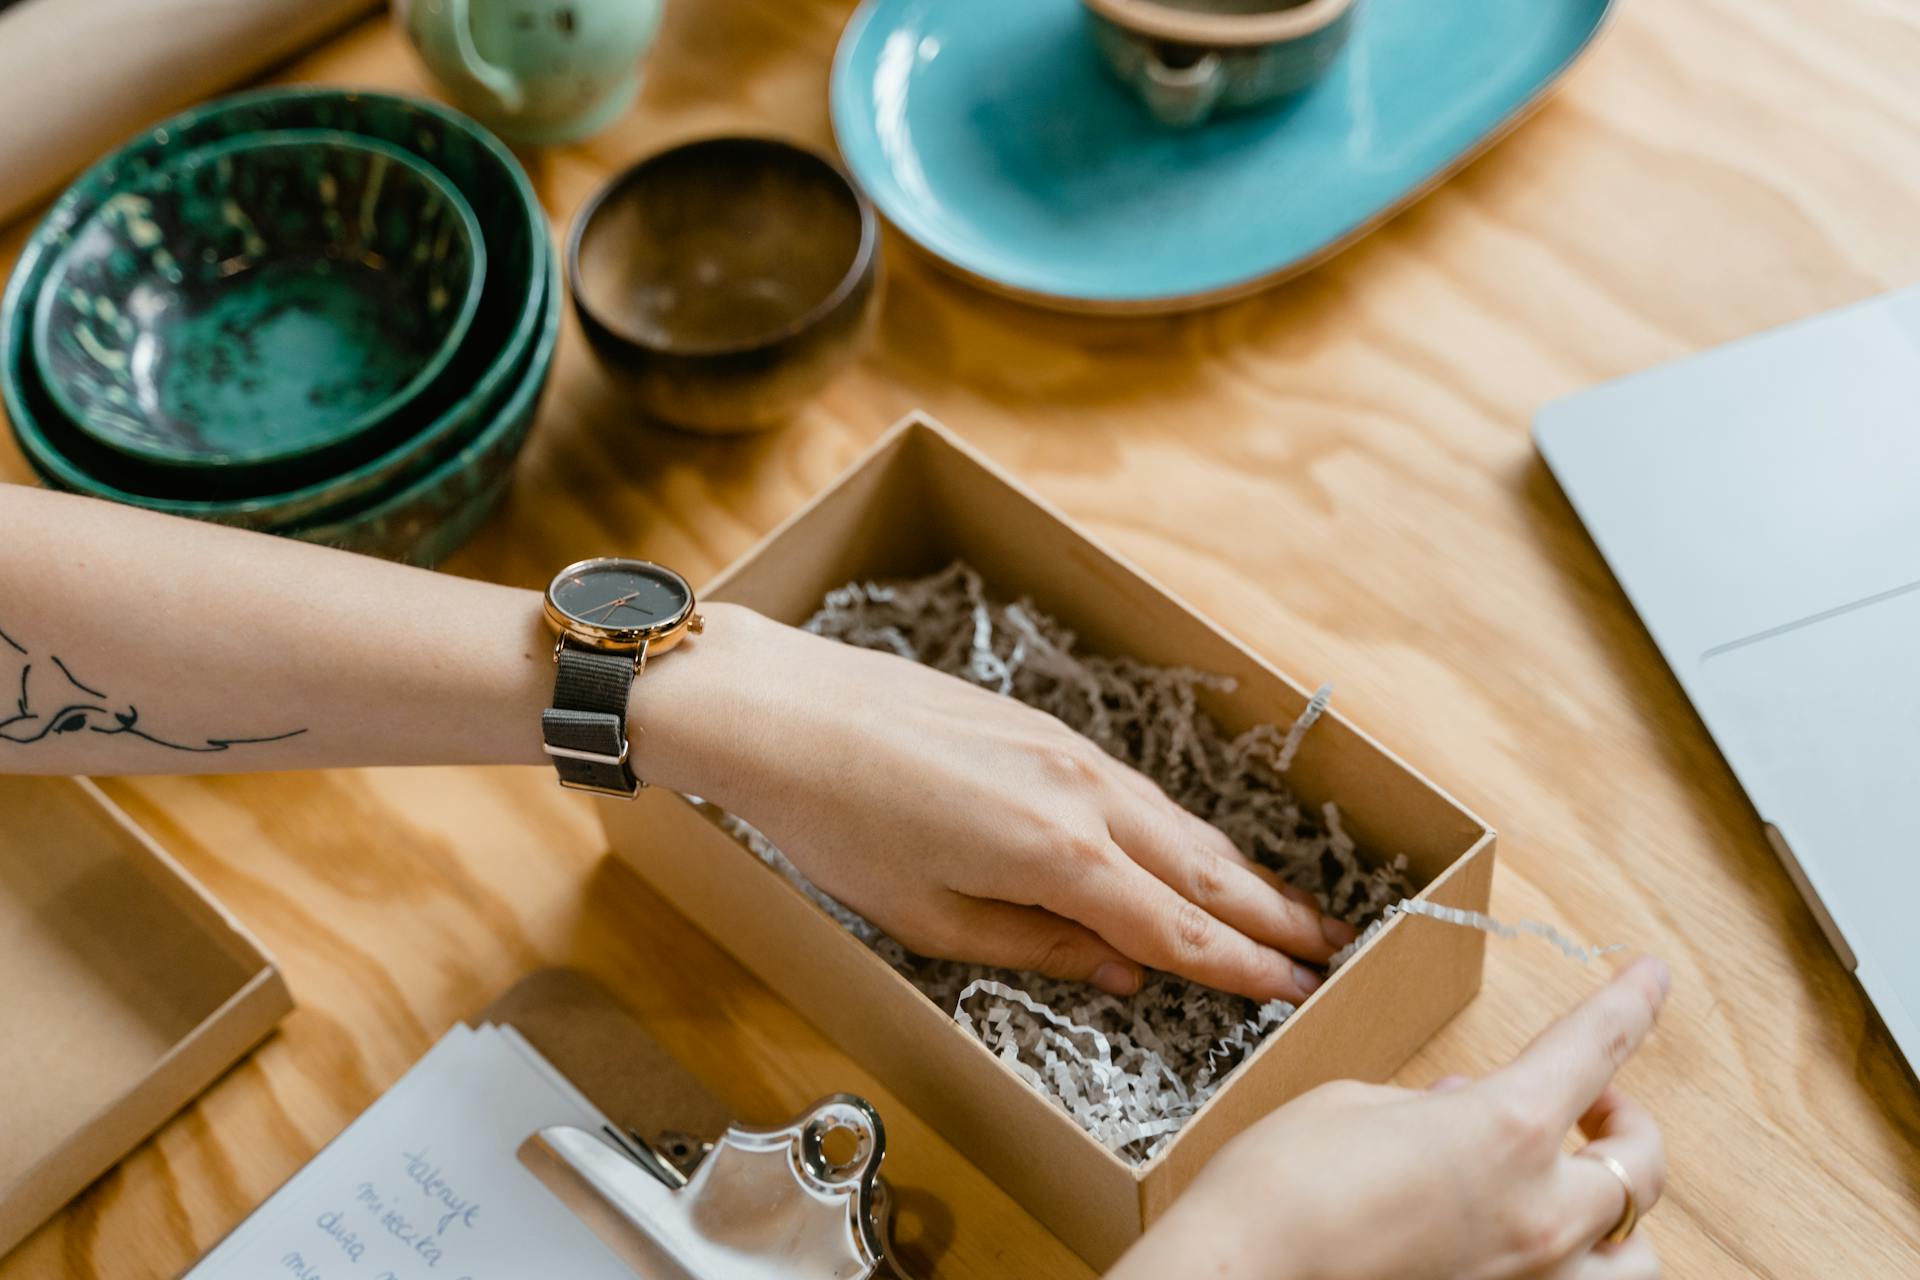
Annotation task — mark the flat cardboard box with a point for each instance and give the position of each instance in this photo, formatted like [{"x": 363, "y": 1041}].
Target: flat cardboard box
[
  {"x": 124, "y": 992},
  {"x": 918, "y": 501}
]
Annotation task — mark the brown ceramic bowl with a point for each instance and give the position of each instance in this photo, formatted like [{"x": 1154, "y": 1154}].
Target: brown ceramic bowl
[{"x": 726, "y": 281}]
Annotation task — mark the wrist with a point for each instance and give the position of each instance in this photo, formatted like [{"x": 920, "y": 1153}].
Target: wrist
[
  {"x": 691, "y": 715},
  {"x": 1218, "y": 1228}
]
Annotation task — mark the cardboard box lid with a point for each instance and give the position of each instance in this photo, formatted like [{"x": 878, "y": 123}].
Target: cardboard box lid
[{"x": 124, "y": 991}]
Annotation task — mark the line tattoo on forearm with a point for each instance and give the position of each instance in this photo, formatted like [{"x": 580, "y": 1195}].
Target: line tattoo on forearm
[{"x": 53, "y": 702}]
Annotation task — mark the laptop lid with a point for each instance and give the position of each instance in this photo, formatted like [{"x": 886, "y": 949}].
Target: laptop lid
[{"x": 1760, "y": 505}]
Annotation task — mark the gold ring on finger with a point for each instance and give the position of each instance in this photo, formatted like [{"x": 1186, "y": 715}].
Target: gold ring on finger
[{"x": 1630, "y": 1214}]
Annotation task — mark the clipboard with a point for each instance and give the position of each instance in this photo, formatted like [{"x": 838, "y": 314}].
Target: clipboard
[
  {"x": 673, "y": 1185},
  {"x": 682, "y": 1191},
  {"x": 591, "y": 1038}
]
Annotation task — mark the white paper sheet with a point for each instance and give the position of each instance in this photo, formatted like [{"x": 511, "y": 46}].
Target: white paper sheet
[{"x": 427, "y": 1183}]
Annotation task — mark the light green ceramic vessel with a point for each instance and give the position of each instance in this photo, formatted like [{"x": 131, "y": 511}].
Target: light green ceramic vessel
[
  {"x": 273, "y": 298},
  {"x": 539, "y": 71},
  {"x": 504, "y": 330}
]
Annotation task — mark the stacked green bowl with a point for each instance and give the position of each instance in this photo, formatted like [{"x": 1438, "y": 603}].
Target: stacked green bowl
[{"x": 410, "y": 482}]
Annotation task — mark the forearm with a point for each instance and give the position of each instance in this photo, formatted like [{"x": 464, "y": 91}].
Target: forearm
[
  {"x": 963, "y": 823},
  {"x": 136, "y": 643},
  {"x": 1206, "y": 1234}
]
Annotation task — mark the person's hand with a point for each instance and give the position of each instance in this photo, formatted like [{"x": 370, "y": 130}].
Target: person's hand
[
  {"x": 1467, "y": 1181},
  {"x": 965, "y": 824}
]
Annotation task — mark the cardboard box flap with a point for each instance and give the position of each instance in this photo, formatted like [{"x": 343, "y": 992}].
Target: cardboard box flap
[{"x": 126, "y": 991}]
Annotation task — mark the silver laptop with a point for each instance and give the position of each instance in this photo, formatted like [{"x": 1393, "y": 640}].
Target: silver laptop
[{"x": 1760, "y": 504}]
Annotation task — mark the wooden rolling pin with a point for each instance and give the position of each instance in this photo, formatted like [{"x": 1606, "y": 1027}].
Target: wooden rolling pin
[{"x": 77, "y": 77}]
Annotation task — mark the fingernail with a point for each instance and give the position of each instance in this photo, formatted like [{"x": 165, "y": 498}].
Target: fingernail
[
  {"x": 1116, "y": 979},
  {"x": 1661, "y": 974},
  {"x": 1447, "y": 1084},
  {"x": 1308, "y": 980},
  {"x": 1336, "y": 931}
]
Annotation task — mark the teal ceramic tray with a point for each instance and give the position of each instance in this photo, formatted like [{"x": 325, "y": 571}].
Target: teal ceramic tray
[{"x": 994, "y": 136}]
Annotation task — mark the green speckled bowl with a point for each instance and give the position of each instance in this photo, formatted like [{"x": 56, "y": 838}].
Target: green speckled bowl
[
  {"x": 426, "y": 521},
  {"x": 509, "y": 321},
  {"x": 269, "y": 299}
]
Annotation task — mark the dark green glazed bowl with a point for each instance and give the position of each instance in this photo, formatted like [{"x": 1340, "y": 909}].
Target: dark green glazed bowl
[
  {"x": 426, "y": 521},
  {"x": 268, "y": 299},
  {"x": 504, "y": 329}
]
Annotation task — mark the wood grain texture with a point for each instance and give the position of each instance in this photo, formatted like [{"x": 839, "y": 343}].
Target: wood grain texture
[{"x": 1339, "y": 471}]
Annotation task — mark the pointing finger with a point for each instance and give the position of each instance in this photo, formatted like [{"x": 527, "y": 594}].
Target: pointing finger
[{"x": 1567, "y": 1067}]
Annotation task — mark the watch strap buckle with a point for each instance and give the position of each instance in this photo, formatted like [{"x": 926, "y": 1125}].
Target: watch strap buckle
[
  {"x": 599, "y": 789},
  {"x": 584, "y": 732},
  {"x": 590, "y": 750}
]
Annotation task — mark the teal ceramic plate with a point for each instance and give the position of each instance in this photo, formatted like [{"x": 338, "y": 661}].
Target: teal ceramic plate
[
  {"x": 993, "y": 135},
  {"x": 512, "y": 303},
  {"x": 259, "y": 300}
]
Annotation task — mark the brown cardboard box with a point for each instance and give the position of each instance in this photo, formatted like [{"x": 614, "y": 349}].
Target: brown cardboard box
[
  {"x": 124, "y": 992},
  {"x": 920, "y": 500}
]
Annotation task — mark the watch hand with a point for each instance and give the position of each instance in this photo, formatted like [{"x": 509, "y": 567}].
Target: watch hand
[{"x": 611, "y": 606}]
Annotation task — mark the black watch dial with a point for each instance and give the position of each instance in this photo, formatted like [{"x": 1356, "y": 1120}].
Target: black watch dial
[{"x": 621, "y": 595}]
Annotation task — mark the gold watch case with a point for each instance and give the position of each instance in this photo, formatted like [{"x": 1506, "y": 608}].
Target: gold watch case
[{"x": 640, "y": 642}]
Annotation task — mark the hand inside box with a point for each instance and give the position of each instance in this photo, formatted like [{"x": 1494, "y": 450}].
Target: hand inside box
[{"x": 1130, "y": 1067}]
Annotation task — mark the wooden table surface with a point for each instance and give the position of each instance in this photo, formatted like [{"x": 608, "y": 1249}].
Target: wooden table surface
[{"x": 1339, "y": 471}]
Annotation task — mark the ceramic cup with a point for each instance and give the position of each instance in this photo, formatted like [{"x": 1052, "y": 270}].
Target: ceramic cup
[
  {"x": 1188, "y": 59},
  {"x": 724, "y": 282},
  {"x": 535, "y": 71}
]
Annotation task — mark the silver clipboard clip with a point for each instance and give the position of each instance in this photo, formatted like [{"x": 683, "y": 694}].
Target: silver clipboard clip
[{"x": 762, "y": 1204}]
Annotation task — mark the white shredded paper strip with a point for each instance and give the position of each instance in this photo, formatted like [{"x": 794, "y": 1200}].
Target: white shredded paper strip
[
  {"x": 1131, "y": 1071},
  {"x": 1487, "y": 924},
  {"x": 1103, "y": 1058},
  {"x": 1315, "y": 708}
]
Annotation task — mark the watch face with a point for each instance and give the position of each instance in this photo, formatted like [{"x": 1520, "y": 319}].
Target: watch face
[{"x": 620, "y": 595}]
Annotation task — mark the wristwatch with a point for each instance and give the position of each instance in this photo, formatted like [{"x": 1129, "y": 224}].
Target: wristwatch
[{"x": 608, "y": 615}]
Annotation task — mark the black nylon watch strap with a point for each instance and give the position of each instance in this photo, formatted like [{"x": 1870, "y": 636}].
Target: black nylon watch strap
[{"x": 586, "y": 727}]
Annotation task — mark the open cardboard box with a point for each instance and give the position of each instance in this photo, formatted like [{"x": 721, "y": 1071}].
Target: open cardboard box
[
  {"x": 124, "y": 992},
  {"x": 918, "y": 501}
]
